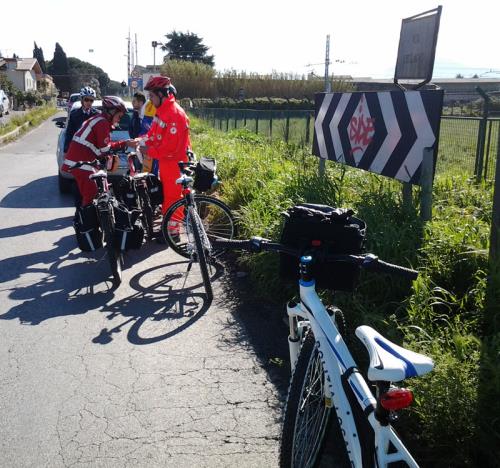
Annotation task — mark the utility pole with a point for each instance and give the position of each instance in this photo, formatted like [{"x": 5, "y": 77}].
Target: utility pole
[
  {"x": 128, "y": 60},
  {"x": 136, "y": 55},
  {"x": 328, "y": 89}
]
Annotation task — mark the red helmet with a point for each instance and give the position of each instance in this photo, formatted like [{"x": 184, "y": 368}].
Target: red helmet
[
  {"x": 158, "y": 82},
  {"x": 113, "y": 103}
]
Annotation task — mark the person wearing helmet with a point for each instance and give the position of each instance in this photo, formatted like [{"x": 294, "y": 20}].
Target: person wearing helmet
[
  {"x": 80, "y": 115},
  {"x": 168, "y": 138},
  {"x": 93, "y": 140}
]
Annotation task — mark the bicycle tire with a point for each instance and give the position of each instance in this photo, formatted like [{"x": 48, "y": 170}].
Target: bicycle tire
[
  {"x": 114, "y": 256},
  {"x": 213, "y": 208},
  {"x": 147, "y": 212},
  {"x": 200, "y": 252},
  {"x": 306, "y": 394}
]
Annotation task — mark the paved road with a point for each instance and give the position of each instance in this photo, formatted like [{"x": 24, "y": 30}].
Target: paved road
[{"x": 149, "y": 375}]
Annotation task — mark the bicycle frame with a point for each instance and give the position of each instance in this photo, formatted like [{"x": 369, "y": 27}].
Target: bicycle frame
[{"x": 339, "y": 365}]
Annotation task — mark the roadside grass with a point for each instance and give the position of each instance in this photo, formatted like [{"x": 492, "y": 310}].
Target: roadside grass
[
  {"x": 441, "y": 314},
  {"x": 34, "y": 117}
]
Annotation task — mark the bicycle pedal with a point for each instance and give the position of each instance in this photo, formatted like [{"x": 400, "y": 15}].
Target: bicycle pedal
[{"x": 328, "y": 402}]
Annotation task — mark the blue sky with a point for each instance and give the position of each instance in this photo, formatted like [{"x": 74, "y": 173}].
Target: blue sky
[{"x": 259, "y": 36}]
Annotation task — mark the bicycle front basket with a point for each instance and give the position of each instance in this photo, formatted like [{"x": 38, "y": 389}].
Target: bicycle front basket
[{"x": 327, "y": 231}]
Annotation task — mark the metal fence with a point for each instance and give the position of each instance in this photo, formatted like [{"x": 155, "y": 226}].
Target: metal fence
[{"x": 466, "y": 144}]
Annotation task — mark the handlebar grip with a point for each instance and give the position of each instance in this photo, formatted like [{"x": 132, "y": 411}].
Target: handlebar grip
[{"x": 380, "y": 266}]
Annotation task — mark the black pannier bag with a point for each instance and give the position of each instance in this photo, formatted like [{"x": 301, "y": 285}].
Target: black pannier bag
[
  {"x": 87, "y": 229},
  {"x": 129, "y": 233},
  {"x": 155, "y": 190},
  {"x": 127, "y": 193},
  {"x": 327, "y": 231},
  {"x": 204, "y": 174}
]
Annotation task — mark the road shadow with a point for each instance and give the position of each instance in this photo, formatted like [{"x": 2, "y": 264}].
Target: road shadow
[
  {"x": 59, "y": 119},
  {"x": 39, "y": 226},
  {"x": 51, "y": 284},
  {"x": 257, "y": 324},
  {"x": 166, "y": 301},
  {"x": 40, "y": 193}
]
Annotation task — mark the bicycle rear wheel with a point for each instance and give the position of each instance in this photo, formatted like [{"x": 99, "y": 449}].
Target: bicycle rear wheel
[
  {"x": 196, "y": 229},
  {"x": 114, "y": 256},
  {"x": 306, "y": 413},
  {"x": 215, "y": 216}
]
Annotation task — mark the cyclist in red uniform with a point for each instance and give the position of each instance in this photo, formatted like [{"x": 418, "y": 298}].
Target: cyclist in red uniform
[
  {"x": 92, "y": 141},
  {"x": 168, "y": 138}
]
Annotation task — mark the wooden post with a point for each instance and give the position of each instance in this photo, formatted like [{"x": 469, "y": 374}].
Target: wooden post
[
  {"x": 257, "y": 122},
  {"x": 287, "y": 126},
  {"x": 426, "y": 182}
]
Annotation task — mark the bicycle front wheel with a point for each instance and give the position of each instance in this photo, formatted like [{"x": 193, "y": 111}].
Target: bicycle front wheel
[
  {"x": 215, "y": 216},
  {"x": 113, "y": 252},
  {"x": 307, "y": 412},
  {"x": 196, "y": 230}
]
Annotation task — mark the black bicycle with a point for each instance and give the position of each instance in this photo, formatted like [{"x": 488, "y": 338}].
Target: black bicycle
[
  {"x": 191, "y": 222},
  {"x": 104, "y": 202},
  {"x": 138, "y": 196}
]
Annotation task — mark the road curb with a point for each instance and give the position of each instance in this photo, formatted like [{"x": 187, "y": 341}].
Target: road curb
[{"x": 13, "y": 133}]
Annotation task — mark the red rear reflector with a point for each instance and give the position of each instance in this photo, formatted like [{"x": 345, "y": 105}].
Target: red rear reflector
[
  {"x": 316, "y": 243},
  {"x": 396, "y": 399}
]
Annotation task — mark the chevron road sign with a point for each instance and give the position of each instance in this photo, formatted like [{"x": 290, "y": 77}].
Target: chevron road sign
[{"x": 381, "y": 132}]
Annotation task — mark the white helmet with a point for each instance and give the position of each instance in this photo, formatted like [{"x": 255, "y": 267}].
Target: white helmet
[{"x": 87, "y": 91}]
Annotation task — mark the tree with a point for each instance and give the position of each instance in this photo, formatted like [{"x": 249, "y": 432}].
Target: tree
[
  {"x": 186, "y": 46},
  {"x": 59, "y": 69},
  {"x": 38, "y": 54}
]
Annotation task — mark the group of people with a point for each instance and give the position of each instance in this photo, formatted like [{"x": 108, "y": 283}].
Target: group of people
[{"x": 159, "y": 128}]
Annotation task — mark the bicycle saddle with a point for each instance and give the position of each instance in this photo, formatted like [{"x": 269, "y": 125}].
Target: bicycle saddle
[
  {"x": 141, "y": 176},
  {"x": 98, "y": 175},
  {"x": 390, "y": 362}
]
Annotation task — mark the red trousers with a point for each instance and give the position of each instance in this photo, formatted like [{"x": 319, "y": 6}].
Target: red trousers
[
  {"x": 169, "y": 173},
  {"x": 86, "y": 186}
]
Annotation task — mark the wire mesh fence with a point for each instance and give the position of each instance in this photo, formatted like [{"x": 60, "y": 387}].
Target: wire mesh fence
[{"x": 459, "y": 141}]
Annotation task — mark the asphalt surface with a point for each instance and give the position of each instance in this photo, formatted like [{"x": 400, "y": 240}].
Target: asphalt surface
[{"x": 147, "y": 375}]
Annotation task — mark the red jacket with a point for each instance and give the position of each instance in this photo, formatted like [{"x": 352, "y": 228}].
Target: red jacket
[
  {"x": 168, "y": 137},
  {"x": 92, "y": 140}
]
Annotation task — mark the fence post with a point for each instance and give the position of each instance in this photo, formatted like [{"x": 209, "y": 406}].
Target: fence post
[
  {"x": 407, "y": 196},
  {"x": 308, "y": 125},
  {"x": 256, "y": 121},
  {"x": 495, "y": 217},
  {"x": 426, "y": 183},
  {"x": 481, "y": 136}
]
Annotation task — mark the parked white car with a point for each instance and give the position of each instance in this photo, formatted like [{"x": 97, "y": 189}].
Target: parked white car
[
  {"x": 4, "y": 103},
  {"x": 75, "y": 97},
  {"x": 119, "y": 133}
]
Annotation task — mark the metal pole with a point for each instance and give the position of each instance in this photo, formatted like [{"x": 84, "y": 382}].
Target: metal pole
[
  {"x": 328, "y": 89},
  {"x": 495, "y": 217},
  {"x": 426, "y": 182},
  {"x": 481, "y": 135}
]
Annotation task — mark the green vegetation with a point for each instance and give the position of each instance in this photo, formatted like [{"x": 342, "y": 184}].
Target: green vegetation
[
  {"x": 34, "y": 117},
  {"x": 455, "y": 419},
  {"x": 198, "y": 80}
]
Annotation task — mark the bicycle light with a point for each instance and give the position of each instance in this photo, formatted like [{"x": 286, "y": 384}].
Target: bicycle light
[{"x": 396, "y": 398}]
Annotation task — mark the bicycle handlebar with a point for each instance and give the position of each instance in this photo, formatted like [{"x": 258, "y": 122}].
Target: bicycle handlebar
[
  {"x": 94, "y": 163},
  {"x": 369, "y": 262}
]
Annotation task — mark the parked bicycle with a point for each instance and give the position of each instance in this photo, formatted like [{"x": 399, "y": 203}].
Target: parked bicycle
[
  {"x": 325, "y": 378},
  {"x": 103, "y": 204},
  {"x": 142, "y": 191},
  {"x": 190, "y": 224}
]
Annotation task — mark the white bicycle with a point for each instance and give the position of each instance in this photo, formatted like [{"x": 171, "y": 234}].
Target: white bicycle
[{"x": 326, "y": 380}]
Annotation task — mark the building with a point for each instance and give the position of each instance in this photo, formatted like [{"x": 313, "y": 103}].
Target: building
[{"x": 23, "y": 73}]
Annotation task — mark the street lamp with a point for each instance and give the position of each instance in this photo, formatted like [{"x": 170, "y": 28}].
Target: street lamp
[{"x": 155, "y": 44}]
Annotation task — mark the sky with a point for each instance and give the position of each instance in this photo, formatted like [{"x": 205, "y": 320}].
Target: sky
[{"x": 257, "y": 36}]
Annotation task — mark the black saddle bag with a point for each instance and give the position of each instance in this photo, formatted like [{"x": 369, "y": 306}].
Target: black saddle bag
[
  {"x": 129, "y": 233},
  {"x": 88, "y": 232},
  {"x": 325, "y": 231},
  {"x": 155, "y": 190},
  {"x": 126, "y": 193},
  {"x": 205, "y": 174}
]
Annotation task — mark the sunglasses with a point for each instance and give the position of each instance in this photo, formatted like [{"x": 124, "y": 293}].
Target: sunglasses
[{"x": 88, "y": 99}]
